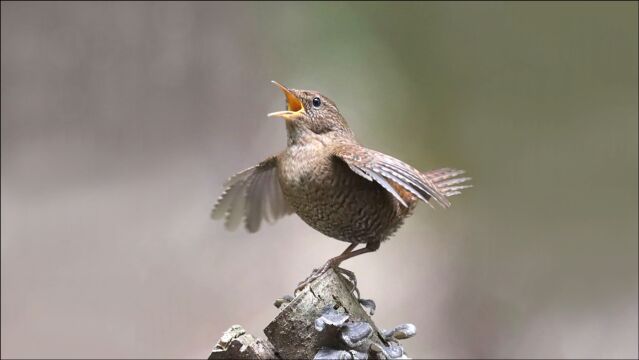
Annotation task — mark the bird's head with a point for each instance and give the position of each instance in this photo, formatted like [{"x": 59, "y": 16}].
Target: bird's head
[{"x": 310, "y": 114}]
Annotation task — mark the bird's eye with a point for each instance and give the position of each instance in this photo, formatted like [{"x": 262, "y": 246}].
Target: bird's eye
[{"x": 317, "y": 102}]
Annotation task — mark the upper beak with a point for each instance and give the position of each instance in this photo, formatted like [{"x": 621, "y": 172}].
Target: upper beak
[{"x": 294, "y": 105}]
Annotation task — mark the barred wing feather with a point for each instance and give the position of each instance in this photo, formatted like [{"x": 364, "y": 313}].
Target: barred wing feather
[
  {"x": 253, "y": 195},
  {"x": 386, "y": 170}
]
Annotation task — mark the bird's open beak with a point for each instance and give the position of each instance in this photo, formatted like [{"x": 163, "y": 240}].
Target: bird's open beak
[{"x": 294, "y": 105}]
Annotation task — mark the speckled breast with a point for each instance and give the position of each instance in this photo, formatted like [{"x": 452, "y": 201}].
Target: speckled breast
[{"x": 334, "y": 200}]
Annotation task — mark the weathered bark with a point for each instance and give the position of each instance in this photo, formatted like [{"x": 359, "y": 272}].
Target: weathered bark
[
  {"x": 325, "y": 321},
  {"x": 237, "y": 344},
  {"x": 293, "y": 331}
]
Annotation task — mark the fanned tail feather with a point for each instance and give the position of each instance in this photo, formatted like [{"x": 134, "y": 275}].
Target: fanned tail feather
[{"x": 447, "y": 182}]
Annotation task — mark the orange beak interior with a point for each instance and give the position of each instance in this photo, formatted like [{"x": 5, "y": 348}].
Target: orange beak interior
[{"x": 292, "y": 102}]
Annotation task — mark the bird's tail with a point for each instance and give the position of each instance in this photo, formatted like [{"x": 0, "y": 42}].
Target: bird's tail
[{"x": 447, "y": 181}]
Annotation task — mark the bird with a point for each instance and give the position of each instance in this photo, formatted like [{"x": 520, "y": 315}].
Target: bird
[{"x": 333, "y": 183}]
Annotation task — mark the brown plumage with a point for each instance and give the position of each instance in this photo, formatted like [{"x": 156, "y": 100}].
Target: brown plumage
[{"x": 338, "y": 187}]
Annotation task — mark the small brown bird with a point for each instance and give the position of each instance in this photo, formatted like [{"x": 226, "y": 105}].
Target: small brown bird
[{"x": 337, "y": 186}]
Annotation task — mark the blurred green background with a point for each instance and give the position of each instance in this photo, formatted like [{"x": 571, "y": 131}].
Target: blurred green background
[{"x": 121, "y": 121}]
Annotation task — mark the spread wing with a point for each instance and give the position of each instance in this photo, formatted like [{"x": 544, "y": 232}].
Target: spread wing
[
  {"x": 253, "y": 194},
  {"x": 391, "y": 173}
]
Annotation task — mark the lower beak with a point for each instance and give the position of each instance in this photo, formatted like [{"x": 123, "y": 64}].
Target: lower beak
[
  {"x": 294, "y": 105},
  {"x": 288, "y": 115}
]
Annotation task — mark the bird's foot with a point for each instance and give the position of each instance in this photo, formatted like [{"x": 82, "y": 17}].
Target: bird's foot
[
  {"x": 350, "y": 277},
  {"x": 315, "y": 275}
]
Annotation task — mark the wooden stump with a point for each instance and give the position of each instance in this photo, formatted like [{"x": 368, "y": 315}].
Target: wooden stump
[
  {"x": 325, "y": 321},
  {"x": 293, "y": 331}
]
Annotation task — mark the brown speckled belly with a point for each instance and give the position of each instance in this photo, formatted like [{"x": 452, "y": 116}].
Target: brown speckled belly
[{"x": 341, "y": 204}]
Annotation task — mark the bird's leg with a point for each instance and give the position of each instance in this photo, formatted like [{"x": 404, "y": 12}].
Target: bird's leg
[
  {"x": 334, "y": 262},
  {"x": 349, "y": 248},
  {"x": 349, "y": 275}
]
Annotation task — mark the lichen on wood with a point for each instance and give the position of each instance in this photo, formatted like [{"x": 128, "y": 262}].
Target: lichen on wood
[{"x": 326, "y": 320}]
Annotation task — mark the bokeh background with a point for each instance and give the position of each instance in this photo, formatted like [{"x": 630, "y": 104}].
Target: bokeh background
[{"x": 121, "y": 121}]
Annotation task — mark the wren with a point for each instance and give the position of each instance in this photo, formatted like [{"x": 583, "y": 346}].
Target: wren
[{"x": 337, "y": 186}]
